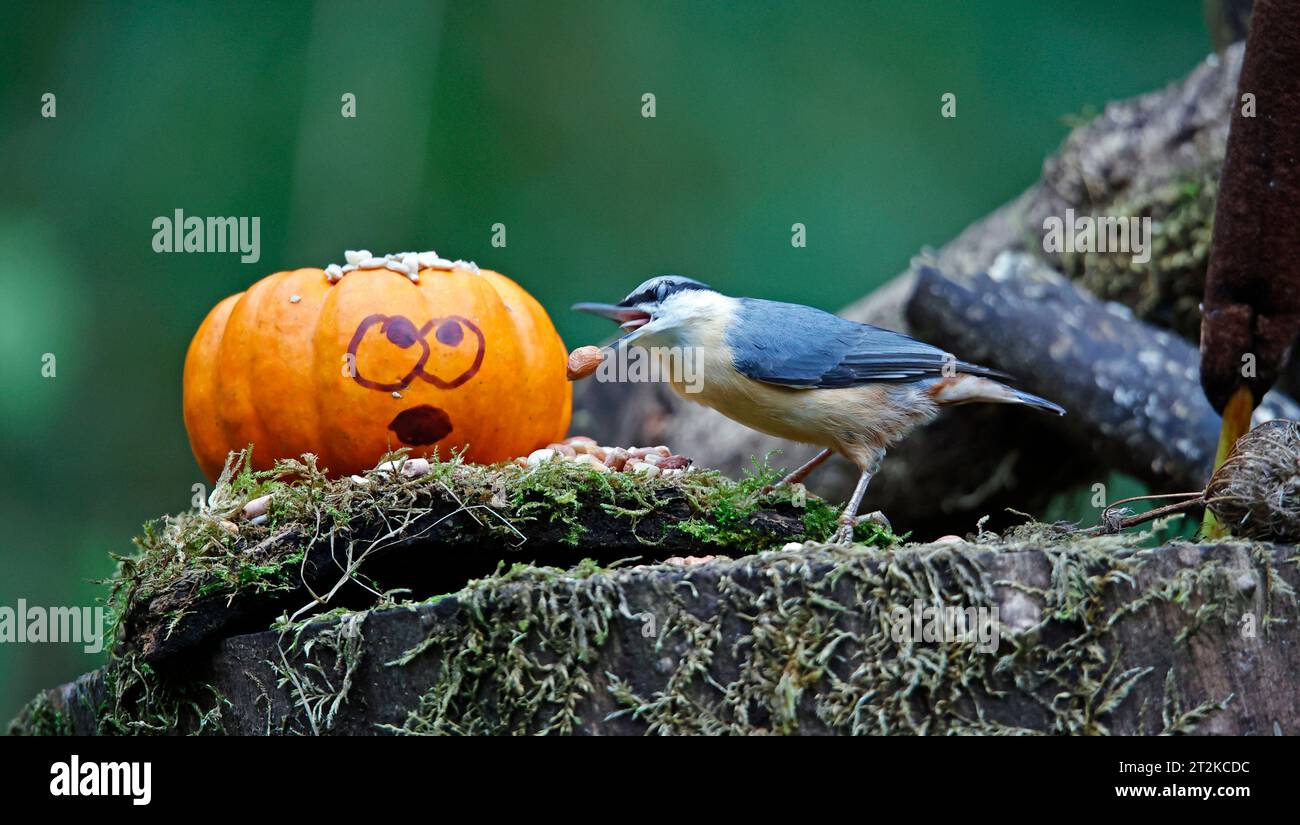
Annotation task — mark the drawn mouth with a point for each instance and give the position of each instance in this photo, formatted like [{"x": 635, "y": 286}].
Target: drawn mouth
[{"x": 422, "y": 425}]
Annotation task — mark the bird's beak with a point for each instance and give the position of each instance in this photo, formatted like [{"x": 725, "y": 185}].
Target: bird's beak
[{"x": 629, "y": 318}]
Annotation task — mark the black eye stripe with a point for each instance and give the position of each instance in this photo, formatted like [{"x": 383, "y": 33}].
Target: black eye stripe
[
  {"x": 658, "y": 289},
  {"x": 637, "y": 298}
]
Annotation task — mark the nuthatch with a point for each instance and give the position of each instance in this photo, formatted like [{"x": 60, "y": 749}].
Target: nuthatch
[{"x": 803, "y": 374}]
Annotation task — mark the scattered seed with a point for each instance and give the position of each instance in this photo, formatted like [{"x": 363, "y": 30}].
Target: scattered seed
[
  {"x": 257, "y": 507},
  {"x": 589, "y": 460},
  {"x": 415, "y": 467},
  {"x": 406, "y": 263},
  {"x": 538, "y": 456}
]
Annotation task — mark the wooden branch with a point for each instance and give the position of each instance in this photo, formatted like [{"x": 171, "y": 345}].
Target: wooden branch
[{"x": 1131, "y": 390}]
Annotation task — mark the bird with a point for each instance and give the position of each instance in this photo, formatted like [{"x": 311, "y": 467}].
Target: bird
[{"x": 803, "y": 374}]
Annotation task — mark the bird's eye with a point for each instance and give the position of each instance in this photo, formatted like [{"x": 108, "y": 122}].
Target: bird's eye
[{"x": 661, "y": 292}]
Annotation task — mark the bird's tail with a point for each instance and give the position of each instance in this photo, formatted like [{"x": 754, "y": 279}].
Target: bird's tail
[{"x": 972, "y": 389}]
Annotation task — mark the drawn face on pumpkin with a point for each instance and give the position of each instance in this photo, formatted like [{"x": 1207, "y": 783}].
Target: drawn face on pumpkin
[{"x": 389, "y": 352}]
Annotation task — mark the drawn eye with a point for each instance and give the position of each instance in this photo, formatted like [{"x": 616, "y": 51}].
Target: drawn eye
[
  {"x": 401, "y": 332},
  {"x": 387, "y": 352},
  {"x": 450, "y": 333}
]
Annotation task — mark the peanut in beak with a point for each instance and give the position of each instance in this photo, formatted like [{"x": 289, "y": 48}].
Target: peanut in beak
[{"x": 583, "y": 361}]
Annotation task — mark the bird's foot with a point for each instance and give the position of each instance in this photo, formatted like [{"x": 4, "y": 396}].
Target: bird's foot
[
  {"x": 796, "y": 488},
  {"x": 876, "y": 517},
  {"x": 844, "y": 535}
]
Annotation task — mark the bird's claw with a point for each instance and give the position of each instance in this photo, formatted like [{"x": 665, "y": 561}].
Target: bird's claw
[
  {"x": 876, "y": 517},
  {"x": 783, "y": 484},
  {"x": 844, "y": 535}
]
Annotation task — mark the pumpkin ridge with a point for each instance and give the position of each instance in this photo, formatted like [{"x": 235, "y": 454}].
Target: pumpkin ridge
[{"x": 236, "y": 404}]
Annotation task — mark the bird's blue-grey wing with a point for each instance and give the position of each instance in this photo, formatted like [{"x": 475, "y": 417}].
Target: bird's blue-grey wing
[{"x": 798, "y": 346}]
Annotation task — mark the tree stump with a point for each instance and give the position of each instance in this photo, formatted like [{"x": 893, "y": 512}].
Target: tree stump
[{"x": 1094, "y": 636}]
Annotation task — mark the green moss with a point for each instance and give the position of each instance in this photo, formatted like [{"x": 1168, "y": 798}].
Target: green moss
[
  {"x": 727, "y": 513},
  {"x": 137, "y": 701},
  {"x": 318, "y": 670},
  {"x": 805, "y": 647},
  {"x": 784, "y": 642},
  {"x": 41, "y": 718}
]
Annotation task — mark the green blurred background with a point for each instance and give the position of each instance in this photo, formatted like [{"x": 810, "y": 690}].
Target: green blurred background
[{"x": 470, "y": 114}]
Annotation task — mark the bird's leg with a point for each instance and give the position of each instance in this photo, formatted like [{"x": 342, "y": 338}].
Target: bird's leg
[
  {"x": 849, "y": 517},
  {"x": 801, "y": 473}
]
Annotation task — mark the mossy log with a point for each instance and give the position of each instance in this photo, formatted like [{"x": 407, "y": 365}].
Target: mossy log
[
  {"x": 1145, "y": 156},
  {"x": 342, "y": 544},
  {"x": 1095, "y": 636}
]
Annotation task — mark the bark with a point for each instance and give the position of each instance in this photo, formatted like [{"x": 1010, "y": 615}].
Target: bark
[{"x": 1251, "y": 312}]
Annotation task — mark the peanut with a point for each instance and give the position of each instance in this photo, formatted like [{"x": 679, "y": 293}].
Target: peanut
[{"x": 583, "y": 361}]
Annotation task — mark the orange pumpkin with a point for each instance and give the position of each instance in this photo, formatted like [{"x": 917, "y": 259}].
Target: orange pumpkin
[{"x": 349, "y": 368}]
